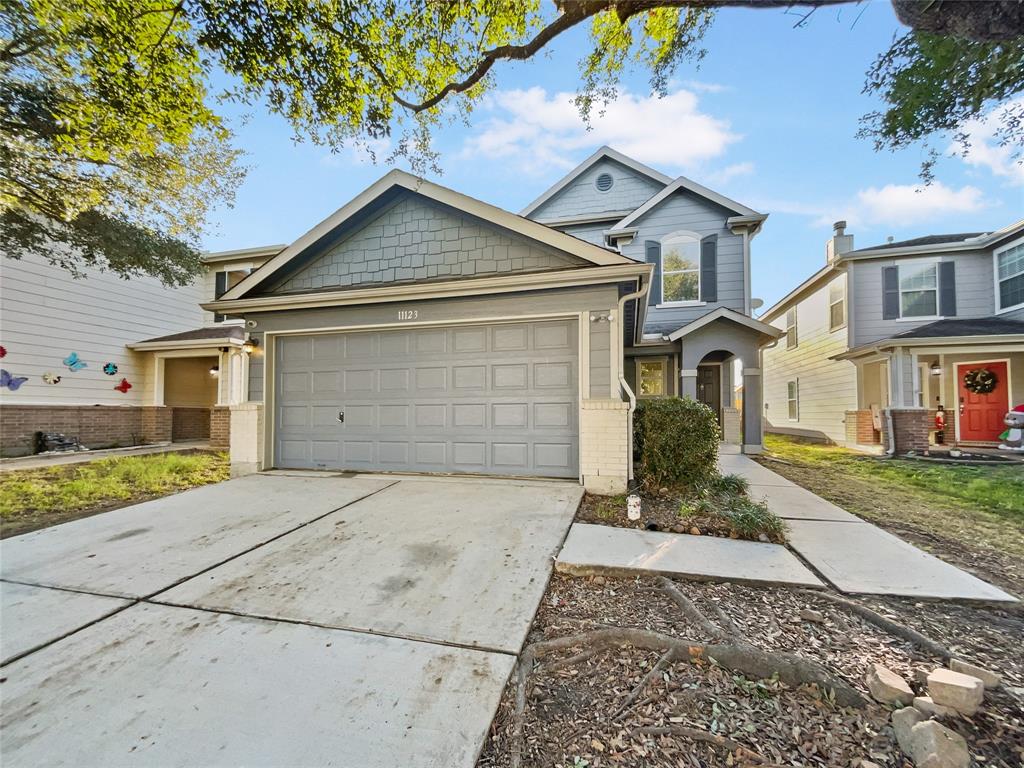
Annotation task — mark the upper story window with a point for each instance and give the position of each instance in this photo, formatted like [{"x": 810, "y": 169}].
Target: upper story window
[
  {"x": 837, "y": 304},
  {"x": 680, "y": 268},
  {"x": 1010, "y": 278},
  {"x": 791, "y": 335},
  {"x": 224, "y": 281},
  {"x": 919, "y": 290}
]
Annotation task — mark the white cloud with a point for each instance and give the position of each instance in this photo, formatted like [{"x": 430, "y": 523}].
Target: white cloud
[
  {"x": 702, "y": 87},
  {"x": 542, "y": 130},
  {"x": 985, "y": 151},
  {"x": 905, "y": 204},
  {"x": 728, "y": 173}
]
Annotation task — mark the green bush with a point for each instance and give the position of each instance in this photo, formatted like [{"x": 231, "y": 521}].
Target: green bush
[{"x": 677, "y": 442}]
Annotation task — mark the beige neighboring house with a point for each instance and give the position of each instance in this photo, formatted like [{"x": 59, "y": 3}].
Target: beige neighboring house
[
  {"x": 881, "y": 339},
  {"x": 183, "y": 366}
]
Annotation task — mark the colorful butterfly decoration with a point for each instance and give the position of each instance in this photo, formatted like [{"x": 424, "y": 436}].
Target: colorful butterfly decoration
[
  {"x": 124, "y": 386},
  {"x": 3, "y": 351},
  {"x": 73, "y": 362},
  {"x": 51, "y": 378},
  {"x": 110, "y": 369},
  {"x": 12, "y": 383}
]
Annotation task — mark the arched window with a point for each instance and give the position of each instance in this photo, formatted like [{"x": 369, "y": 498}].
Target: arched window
[{"x": 680, "y": 267}]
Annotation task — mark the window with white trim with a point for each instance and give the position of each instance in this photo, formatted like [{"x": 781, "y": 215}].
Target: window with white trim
[
  {"x": 680, "y": 268},
  {"x": 919, "y": 290},
  {"x": 1010, "y": 277},
  {"x": 837, "y": 304},
  {"x": 791, "y": 333},
  {"x": 224, "y": 281},
  {"x": 650, "y": 377},
  {"x": 793, "y": 399}
]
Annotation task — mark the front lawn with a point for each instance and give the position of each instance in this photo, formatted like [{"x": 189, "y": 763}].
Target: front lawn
[
  {"x": 37, "y": 498},
  {"x": 969, "y": 514}
]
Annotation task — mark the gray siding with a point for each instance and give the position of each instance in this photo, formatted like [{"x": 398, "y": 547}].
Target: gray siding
[
  {"x": 975, "y": 295},
  {"x": 689, "y": 212},
  {"x": 581, "y": 197},
  {"x": 592, "y": 233},
  {"x": 414, "y": 240},
  {"x": 598, "y": 298}
]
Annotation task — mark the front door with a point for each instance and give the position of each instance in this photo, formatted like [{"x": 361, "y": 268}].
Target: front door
[
  {"x": 983, "y": 403},
  {"x": 709, "y": 388}
]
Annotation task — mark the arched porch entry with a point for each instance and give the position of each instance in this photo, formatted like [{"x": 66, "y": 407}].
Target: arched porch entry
[{"x": 717, "y": 353}]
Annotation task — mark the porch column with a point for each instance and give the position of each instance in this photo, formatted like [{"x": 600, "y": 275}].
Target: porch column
[
  {"x": 688, "y": 383},
  {"x": 753, "y": 440}
]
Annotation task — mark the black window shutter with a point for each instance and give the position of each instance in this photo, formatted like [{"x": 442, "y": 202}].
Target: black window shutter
[
  {"x": 947, "y": 289},
  {"x": 890, "y": 293},
  {"x": 709, "y": 268},
  {"x": 652, "y": 254},
  {"x": 219, "y": 289}
]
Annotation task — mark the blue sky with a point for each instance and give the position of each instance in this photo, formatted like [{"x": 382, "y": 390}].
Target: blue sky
[{"x": 769, "y": 119}]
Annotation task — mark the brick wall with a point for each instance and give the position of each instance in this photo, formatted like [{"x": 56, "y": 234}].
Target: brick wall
[
  {"x": 156, "y": 424},
  {"x": 911, "y": 427},
  {"x": 97, "y": 426},
  {"x": 860, "y": 430},
  {"x": 190, "y": 423},
  {"x": 220, "y": 426},
  {"x": 604, "y": 432}
]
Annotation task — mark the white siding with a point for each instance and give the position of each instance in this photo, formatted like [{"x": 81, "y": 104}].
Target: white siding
[
  {"x": 828, "y": 388},
  {"x": 45, "y": 314},
  {"x": 975, "y": 295}
]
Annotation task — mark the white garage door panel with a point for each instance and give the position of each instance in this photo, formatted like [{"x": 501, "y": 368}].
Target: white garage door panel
[{"x": 498, "y": 399}]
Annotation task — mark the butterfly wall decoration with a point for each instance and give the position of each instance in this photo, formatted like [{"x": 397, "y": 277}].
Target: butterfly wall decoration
[
  {"x": 110, "y": 369},
  {"x": 51, "y": 378},
  {"x": 3, "y": 351},
  {"x": 12, "y": 383},
  {"x": 123, "y": 387},
  {"x": 74, "y": 363}
]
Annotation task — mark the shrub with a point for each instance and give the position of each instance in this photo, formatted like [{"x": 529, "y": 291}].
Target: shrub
[
  {"x": 750, "y": 518},
  {"x": 728, "y": 485},
  {"x": 677, "y": 442}
]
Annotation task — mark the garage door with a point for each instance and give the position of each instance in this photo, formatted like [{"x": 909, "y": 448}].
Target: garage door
[{"x": 492, "y": 399}]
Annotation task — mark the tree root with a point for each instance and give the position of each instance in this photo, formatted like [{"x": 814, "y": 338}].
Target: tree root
[
  {"x": 892, "y": 627},
  {"x": 691, "y": 611},
  {"x": 663, "y": 662},
  {"x": 696, "y": 734}
]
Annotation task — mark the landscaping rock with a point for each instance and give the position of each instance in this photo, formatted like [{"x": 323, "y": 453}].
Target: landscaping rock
[
  {"x": 903, "y": 722},
  {"x": 963, "y": 693},
  {"x": 989, "y": 679},
  {"x": 927, "y": 743},
  {"x": 926, "y": 705},
  {"x": 600, "y": 581},
  {"x": 888, "y": 687},
  {"x": 815, "y": 616},
  {"x": 695, "y": 531}
]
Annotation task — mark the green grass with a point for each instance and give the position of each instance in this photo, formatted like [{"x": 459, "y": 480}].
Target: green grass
[
  {"x": 78, "y": 487},
  {"x": 996, "y": 488}
]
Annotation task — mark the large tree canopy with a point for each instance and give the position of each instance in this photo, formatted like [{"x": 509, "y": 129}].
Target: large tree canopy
[{"x": 113, "y": 150}]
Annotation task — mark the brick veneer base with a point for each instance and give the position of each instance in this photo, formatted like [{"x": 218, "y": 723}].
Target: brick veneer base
[
  {"x": 911, "y": 427},
  {"x": 220, "y": 427},
  {"x": 860, "y": 429},
  {"x": 97, "y": 426},
  {"x": 190, "y": 423}
]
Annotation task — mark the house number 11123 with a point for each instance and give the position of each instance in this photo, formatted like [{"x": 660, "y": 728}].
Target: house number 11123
[{"x": 408, "y": 314}]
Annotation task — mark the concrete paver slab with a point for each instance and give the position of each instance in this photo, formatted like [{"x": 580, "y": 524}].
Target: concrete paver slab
[
  {"x": 457, "y": 562},
  {"x": 33, "y": 616},
  {"x": 864, "y": 559},
  {"x": 791, "y": 502},
  {"x": 138, "y": 550},
  {"x": 590, "y": 547},
  {"x": 162, "y": 686},
  {"x": 750, "y": 469}
]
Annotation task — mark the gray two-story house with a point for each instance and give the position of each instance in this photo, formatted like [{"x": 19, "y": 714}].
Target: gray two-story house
[
  {"x": 418, "y": 329},
  {"x": 902, "y": 344}
]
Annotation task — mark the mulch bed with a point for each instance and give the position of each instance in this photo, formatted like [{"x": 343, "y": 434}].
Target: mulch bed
[
  {"x": 658, "y": 513},
  {"x": 570, "y": 711}
]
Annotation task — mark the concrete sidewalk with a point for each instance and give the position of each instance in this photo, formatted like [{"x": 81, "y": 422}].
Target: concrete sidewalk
[{"x": 852, "y": 554}]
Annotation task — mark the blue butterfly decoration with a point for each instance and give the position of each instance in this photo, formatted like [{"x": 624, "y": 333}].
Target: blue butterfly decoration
[
  {"x": 110, "y": 369},
  {"x": 13, "y": 383},
  {"x": 74, "y": 363}
]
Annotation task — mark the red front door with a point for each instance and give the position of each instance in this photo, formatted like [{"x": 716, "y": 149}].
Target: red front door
[{"x": 981, "y": 416}]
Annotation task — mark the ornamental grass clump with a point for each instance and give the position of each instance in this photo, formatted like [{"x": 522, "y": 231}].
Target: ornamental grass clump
[{"x": 721, "y": 506}]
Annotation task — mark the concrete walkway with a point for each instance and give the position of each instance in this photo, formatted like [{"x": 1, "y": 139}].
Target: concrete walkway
[
  {"x": 61, "y": 458},
  {"x": 852, "y": 554}
]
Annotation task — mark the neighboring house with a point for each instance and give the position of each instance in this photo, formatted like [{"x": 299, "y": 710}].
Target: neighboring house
[
  {"x": 182, "y": 366},
  {"x": 892, "y": 333},
  {"x": 418, "y": 329}
]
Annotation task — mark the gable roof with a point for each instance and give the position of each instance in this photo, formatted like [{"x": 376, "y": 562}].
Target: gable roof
[
  {"x": 396, "y": 182},
  {"x": 675, "y": 331},
  {"x": 690, "y": 186},
  {"x": 978, "y": 326},
  {"x": 602, "y": 154},
  {"x": 939, "y": 243}
]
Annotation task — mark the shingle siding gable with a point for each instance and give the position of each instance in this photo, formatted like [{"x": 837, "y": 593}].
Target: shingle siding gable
[{"x": 415, "y": 240}]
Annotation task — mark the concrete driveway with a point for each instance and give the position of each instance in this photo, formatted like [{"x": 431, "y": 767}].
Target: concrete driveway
[{"x": 275, "y": 620}]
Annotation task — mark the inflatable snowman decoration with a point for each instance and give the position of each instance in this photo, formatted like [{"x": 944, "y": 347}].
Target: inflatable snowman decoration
[{"x": 1013, "y": 437}]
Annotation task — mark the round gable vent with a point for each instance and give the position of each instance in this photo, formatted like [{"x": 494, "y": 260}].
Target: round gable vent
[{"x": 604, "y": 182}]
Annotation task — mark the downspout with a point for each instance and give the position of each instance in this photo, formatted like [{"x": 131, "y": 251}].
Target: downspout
[
  {"x": 622, "y": 379},
  {"x": 891, "y": 450}
]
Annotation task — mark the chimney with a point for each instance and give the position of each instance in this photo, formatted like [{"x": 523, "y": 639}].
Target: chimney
[{"x": 839, "y": 244}]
